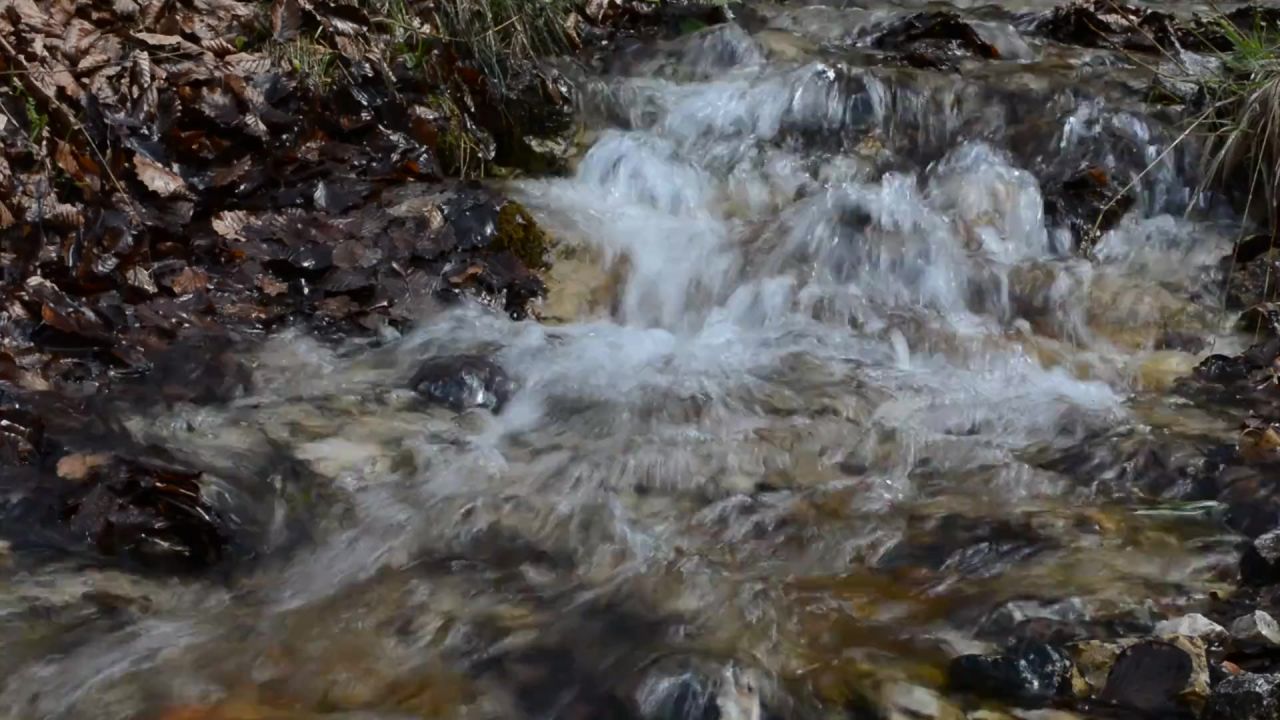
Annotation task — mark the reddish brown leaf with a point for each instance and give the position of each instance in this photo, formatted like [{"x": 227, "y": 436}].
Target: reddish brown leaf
[{"x": 189, "y": 280}]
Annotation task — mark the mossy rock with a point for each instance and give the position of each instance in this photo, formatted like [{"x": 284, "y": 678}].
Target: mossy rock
[{"x": 519, "y": 234}]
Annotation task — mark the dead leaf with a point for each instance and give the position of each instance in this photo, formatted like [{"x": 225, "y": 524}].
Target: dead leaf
[
  {"x": 140, "y": 278},
  {"x": 286, "y": 19},
  {"x": 158, "y": 40},
  {"x": 218, "y": 46},
  {"x": 231, "y": 224},
  {"x": 189, "y": 280},
  {"x": 77, "y": 466},
  {"x": 271, "y": 286},
  {"x": 158, "y": 178}
]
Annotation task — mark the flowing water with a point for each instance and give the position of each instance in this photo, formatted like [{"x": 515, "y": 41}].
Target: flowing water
[{"x": 819, "y": 401}]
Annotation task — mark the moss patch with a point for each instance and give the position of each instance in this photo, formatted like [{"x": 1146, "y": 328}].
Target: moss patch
[{"x": 519, "y": 234}]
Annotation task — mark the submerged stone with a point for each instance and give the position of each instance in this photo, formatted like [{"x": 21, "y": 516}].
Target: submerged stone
[
  {"x": 1088, "y": 204},
  {"x": 462, "y": 382}
]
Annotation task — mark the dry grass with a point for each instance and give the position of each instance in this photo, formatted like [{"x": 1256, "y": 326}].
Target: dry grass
[
  {"x": 494, "y": 35},
  {"x": 1241, "y": 125}
]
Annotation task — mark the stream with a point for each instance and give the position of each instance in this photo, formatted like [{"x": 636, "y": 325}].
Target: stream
[{"x": 821, "y": 398}]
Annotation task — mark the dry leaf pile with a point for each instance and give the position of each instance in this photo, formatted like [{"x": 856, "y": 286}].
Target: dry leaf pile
[
  {"x": 174, "y": 178},
  {"x": 158, "y": 182}
]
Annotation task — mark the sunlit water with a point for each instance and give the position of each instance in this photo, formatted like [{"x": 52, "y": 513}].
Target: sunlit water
[{"x": 785, "y": 431}]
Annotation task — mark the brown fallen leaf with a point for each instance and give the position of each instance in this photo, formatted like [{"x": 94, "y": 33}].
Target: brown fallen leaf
[
  {"x": 271, "y": 286},
  {"x": 230, "y": 224},
  {"x": 158, "y": 178},
  {"x": 189, "y": 280},
  {"x": 286, "y": 19},
  {"x": 77, "y": 466}
]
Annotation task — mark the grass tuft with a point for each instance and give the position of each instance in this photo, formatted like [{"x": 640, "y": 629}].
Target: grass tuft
[{"x": 1241, "y": 126}]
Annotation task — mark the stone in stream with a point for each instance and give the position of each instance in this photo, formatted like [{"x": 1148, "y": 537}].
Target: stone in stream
[
  {"x": 934, "y": 40},
  {"x": 694, "y": 695},
  {"x": 1256, "y": 629},
  {"x": 1031, "y": 673},
  {"x": 462, "y": 382},
  {"x": 1193, "y": 625},
  {"x": 1245, "y": 697},
  {"x": 1088, "y": 204},
  {"x": 1260, "y": 563},
  {"x": 1163, "y": 678},
  {"x": 1222, "y": 369}
]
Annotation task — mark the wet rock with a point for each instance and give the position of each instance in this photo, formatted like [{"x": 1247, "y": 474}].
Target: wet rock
[
  {"x": 1260, "y": 563},
  {"x": 1088, "y": 204},
  {"x": 1030, "y": 673},
  {"x": 699, "y": 688},
  {"x": 1256, "y": 629},
  {"x": 1193, "y": 625},
  {"x": 462, "y": 382},
  {"x": 934, "y": 40},
  {"x": 1222, "y": 369},
  {"x": 533, "y": 122},
  {"x": 1160, "y": 677},
  {"x": 1245, "y": 697},
  {"x": 964, "y": 545},
  {"x": 1106, "y": 23},
  {"x": 1253, "y": 282},
  {"x": 687, "y": 695}
]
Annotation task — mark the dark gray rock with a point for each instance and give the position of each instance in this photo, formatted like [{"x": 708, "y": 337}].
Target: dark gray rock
[
  {"x": 1260, "y": 564},
  {"x": 1245, "y": 697},
  {"x": 462, "y": 382},
  {"x": 1031, "y": 673}
]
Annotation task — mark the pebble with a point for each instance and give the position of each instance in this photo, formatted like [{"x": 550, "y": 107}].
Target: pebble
[
  {"x": 1193, "y": 625},
  {"x": 1245, "y": 697},
  {"x": 1256, "y": 628}
]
